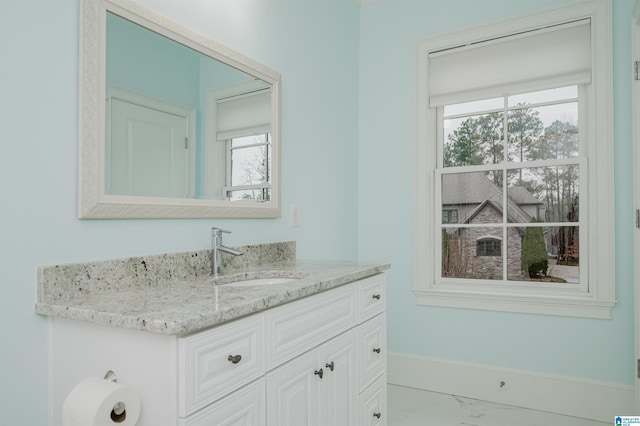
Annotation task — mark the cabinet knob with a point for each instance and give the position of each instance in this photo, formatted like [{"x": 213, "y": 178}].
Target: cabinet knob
[
  {"x": 376, "y": 350},
  {"x": 376, "y": 296},
  {"x": 235, "y": 358},
  {"x": 319, "y": 373},
  {"x": 330, "y": 365},
  {"x": 377, "y": 415}
]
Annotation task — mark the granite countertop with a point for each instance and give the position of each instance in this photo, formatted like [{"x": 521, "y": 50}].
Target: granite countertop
[{"x": 188, "y": 302}]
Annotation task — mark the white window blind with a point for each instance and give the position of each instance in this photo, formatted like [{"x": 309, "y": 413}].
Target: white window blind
[
  {"x": 244, "y": 114},
  {"x": 534, "y": 60}
]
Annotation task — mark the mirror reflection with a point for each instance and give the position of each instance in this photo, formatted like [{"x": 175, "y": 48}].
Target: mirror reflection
[{"x": 181, "y": 124}]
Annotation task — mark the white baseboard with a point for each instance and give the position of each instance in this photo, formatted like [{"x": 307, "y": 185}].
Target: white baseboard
[{"x": 570, "y": 396}]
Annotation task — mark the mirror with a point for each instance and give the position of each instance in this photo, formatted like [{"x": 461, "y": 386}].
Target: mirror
[{"x": 172, "y": 124}]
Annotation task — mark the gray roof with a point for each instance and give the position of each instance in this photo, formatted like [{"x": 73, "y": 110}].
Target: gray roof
[
  {"x": 476, "y": 189},
  {"x": 521, "y": 196}
]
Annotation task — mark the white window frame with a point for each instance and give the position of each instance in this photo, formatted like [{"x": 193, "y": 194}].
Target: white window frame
[{"x": 596, "y": 297}]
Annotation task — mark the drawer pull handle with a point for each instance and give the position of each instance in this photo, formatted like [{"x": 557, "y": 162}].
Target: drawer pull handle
[
  {"x": 376, "y": 350},
  {"x": 235, "y": 358},
  {"x": 330, "y": 366},
  {"x": 376, "y": 296},
  {"x": 319, "y": 373},
  {"x": 377, "y": 415}
]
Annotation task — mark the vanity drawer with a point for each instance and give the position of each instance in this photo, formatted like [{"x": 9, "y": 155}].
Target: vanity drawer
[
  {"x": 372, "y": 297},
  {"x": 372, "y": 350},
  {"x": 373, "y": 403},
  {"x": 245, "y": 406},
  {"x": 215, "y": 362},
  {"x": 297, "y": 327}
]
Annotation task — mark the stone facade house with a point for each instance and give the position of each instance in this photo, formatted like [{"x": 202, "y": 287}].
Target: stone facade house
[{"x": 477, "y": 252}]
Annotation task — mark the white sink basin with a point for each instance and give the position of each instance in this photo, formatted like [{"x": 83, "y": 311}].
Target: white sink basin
[{"x": 260, "y": 281}]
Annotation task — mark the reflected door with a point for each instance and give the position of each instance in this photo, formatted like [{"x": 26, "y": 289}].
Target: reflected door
[{"x": 148, "y": 152}]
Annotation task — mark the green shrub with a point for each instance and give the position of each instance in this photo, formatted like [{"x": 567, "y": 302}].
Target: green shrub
[{"x": 534, "y": 252}]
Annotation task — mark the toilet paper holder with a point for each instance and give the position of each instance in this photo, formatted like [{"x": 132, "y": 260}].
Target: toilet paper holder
[{"x": 119, "y": 408}]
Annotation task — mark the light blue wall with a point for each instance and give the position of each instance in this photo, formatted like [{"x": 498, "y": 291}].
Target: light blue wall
[
  {"x": 595, "y": 349},
  {"x": 340, "y": 67},
  {"x": 315, "y": 47}
]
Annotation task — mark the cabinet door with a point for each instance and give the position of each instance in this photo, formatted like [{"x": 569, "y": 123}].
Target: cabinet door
[
  {"x": 292, "y": 392},
  {"x": 244, "y": 407},
  {"x": 373, "y": 403},
  {"x": 338, "y": 389}
]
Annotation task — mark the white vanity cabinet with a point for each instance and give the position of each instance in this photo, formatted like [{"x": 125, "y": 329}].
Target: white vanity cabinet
[
  {"x": 329, "y": 383},
  {"x": 320, "y": 360},
  {"x": 313, "y": 378}
]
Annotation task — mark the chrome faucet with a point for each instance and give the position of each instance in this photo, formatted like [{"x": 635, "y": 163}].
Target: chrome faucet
[{"x": 217, "y": 249}]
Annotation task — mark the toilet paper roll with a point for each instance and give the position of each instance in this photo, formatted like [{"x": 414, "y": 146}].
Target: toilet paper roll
[{"x": 99, "y": 402}]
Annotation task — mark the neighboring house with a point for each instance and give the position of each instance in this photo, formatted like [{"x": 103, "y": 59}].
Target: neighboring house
[{"x": 477, "y": 252}]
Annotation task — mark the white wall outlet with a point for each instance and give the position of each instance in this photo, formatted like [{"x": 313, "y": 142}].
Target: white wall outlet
[{"x": 294, "y": 215}]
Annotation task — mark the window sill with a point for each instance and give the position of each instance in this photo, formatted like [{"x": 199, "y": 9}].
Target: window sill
[{"x": 585, "y": 306}]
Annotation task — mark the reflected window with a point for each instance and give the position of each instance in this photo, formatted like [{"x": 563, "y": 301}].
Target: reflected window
[{"x": 249, "y": 168}]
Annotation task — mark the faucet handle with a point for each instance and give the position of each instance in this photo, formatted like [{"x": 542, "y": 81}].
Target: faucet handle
[{"x": 218, "y": 231}]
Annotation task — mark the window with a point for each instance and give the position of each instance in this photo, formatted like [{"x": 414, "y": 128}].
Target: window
[
  {"x": 489, "y": 247},
  {"x": 248, "y": 168},
  {"x": 487, "y": 149},
  {"x": 239, "y": 153},
  {"x": 514, "y": 154},
  {"x": 449, "y": 216}
]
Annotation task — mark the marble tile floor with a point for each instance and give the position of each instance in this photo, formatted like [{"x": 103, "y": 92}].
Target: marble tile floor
[{"x": 414, "y": 407}]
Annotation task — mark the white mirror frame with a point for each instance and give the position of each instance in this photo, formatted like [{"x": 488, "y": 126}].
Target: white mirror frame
[{"x": 93, "y": 202}]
